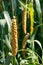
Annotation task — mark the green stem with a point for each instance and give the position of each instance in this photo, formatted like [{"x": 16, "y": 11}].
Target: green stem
[
  {"x": 3, "y": 5},
  {"x": 13, "y": 62},
  {"x": 12, "y": 8}
]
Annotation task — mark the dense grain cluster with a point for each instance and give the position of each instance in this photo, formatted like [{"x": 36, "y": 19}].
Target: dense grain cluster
[
  {"x": 24, "y": 16},
  {"x": 31, "y": 20},
  {"x": 14, "y": 37},
  {"x": 24, "y": 41}
]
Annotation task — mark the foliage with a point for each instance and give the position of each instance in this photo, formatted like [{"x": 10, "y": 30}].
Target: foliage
[{"x": 25, "y": 40}]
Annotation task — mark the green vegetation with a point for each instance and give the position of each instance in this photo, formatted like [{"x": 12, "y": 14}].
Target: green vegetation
[{"x": 21, "y": 32}]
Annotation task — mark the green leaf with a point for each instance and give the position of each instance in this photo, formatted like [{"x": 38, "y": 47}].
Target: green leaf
[
  {"x": 2, "y": 57},
  {"x": 14, "y": 6},
  {"x": 22, "y": 4},
  {"x": 38, "y": 43},
  {"x": 23, "y": 62},
  {"x": 29, "y": 41},
  {"x": 42, "y": 56},
  {"x": 2, "y": 22},
  {"x": 8, "y": 59},
  {"x": 8, "y": 19},
  {"x": 38, "y": 7},
  {"x": 7, "y": 42},
  {"x": 15, "y": 62}
]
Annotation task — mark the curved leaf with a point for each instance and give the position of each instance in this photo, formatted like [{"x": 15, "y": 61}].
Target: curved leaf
[
  {"x": 38, "y": 43},
  {"x": 8, "y": 19}
]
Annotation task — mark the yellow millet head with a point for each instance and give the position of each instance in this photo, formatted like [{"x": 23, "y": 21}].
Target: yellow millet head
[
  {"x": 24, "y": 18},
  {"x": 14, "y": 41}
]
